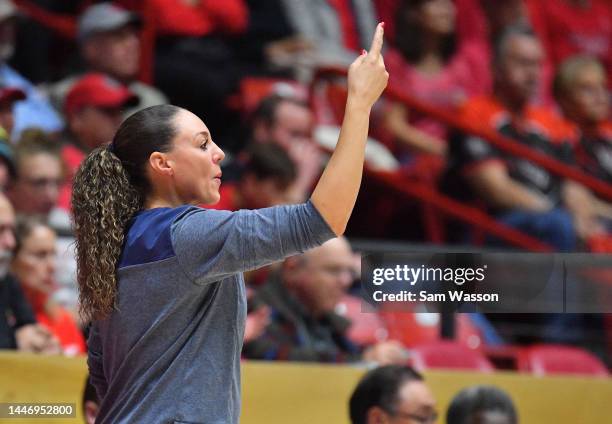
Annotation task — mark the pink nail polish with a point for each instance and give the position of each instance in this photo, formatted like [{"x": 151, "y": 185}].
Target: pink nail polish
[
  {"x": 382, "y": 24},
  {"x": 363, "y": 52}
]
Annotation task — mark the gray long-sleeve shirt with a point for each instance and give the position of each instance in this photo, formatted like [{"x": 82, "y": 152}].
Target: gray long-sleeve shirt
[{"x": 171, "y": 352}]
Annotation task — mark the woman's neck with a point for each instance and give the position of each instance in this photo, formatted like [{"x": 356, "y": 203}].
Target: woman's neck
[{"x": 168, "y": 201}]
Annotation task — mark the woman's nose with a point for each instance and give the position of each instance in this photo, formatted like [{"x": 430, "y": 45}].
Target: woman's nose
[{"x": 219, "y": 155}]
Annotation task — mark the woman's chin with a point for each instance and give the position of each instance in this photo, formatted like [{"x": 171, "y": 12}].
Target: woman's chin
[{"x": 212, "y": 200}]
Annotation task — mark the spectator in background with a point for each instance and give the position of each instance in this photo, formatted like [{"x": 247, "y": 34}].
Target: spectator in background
[
  {"x": 35, "y": 110},
  {"x": 267, "y": 180},
  {"x": 94, "y": 109},
  {"x": 519, "y": 192},
  {"x": 35, "y": 191},
  {"x": 430, "y": 64},
  {"x": 39, "y": 175},
  {"x": 18, "y": 327},
  {"x": 580, "y": 89},
  {"x": 34, "y": 265},
  {"x": 110, "y": 44},
  {"x": 289, "y": 123},
  {"x": 392, "y": 394},
  {"x": 303, "y": 324},
  {"x": 482, "y": 405},
  {"x": 195, "y": 65}
]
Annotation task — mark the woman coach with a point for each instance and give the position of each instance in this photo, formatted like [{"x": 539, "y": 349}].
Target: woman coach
[{"x": 161, "y": 280}]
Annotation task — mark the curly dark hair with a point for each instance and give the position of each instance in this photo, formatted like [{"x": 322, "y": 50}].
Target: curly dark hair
[{"x": 109, "y": 188}]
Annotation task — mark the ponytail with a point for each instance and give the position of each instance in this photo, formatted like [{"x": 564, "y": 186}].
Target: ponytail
[
  {"x": 103, "y": 201},
  {"x": 109, "y": 188}
]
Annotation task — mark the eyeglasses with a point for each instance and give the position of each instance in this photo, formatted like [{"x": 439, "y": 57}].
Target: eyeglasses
[{"x": 431, "y": 419}]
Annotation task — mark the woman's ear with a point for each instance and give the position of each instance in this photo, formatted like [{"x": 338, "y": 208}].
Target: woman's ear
[{"x": 160, "y": 164}]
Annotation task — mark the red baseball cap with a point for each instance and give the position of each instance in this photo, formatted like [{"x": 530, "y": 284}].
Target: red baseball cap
[
  {"x": 11, "y": 94},
  {"x": 98, "y": 90}
]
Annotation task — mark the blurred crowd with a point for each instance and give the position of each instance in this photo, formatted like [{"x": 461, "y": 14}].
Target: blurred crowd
[{"x": 536, "y": 72}]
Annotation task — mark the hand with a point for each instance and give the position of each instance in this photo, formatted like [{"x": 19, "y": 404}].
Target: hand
[
  {"x": 37, "y": 339},
  {"x": 588, "y": 226},
  {"x": 256, "y": 323},
  {"x": 308, "y": 160},
  {"x": 385, "y": 353},
  {"x": 367, "y": 76}
]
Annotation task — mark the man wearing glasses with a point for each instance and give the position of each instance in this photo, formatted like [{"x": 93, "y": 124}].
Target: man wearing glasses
[{"x": 392, "y": 394}]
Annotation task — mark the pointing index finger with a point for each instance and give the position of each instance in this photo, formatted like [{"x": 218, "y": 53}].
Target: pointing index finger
[{"x": 377, "y": 41}]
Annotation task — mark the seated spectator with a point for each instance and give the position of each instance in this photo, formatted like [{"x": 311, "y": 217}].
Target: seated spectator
[
  {"x": 303, "y": 324},
  {"x": 520, "y": 193},
  {"x": 580, "y": 89},
  {"x": 481, "y": 405},
  {"x": 268, "y": 179},
  {"x": 35, "y": 189},
  {"x": 35, "y": 110},
  {"x": 392, "y": 394},
  {"x": 289, "y": 123},
  {"x": 110, "y": 44},
  {"x": 430, "y": 64},
  {"x": 18, "y": 327},
  {"x": 34, "y": 265},
  {"x": 94, "y": 109}
]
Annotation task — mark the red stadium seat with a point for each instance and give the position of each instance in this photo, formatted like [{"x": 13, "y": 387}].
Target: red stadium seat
[
  {"x": 555, "y": 359},
  {"x": 366, "y": 327},
  {"x": 413, "y": 329},
  {"x": 449, "y": 355},
  {"x": 253, "y": 90}
]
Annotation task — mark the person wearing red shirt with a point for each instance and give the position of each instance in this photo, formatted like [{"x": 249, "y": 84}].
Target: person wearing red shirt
[
  {"x": 34, "y": 266},
  {"x": 431, "y": 64}
]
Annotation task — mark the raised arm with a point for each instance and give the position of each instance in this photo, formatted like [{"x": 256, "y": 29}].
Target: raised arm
[{"x": 336, "y": 192}]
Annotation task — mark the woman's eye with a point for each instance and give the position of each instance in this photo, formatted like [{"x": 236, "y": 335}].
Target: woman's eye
[{"x": 204, "y": 145}]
